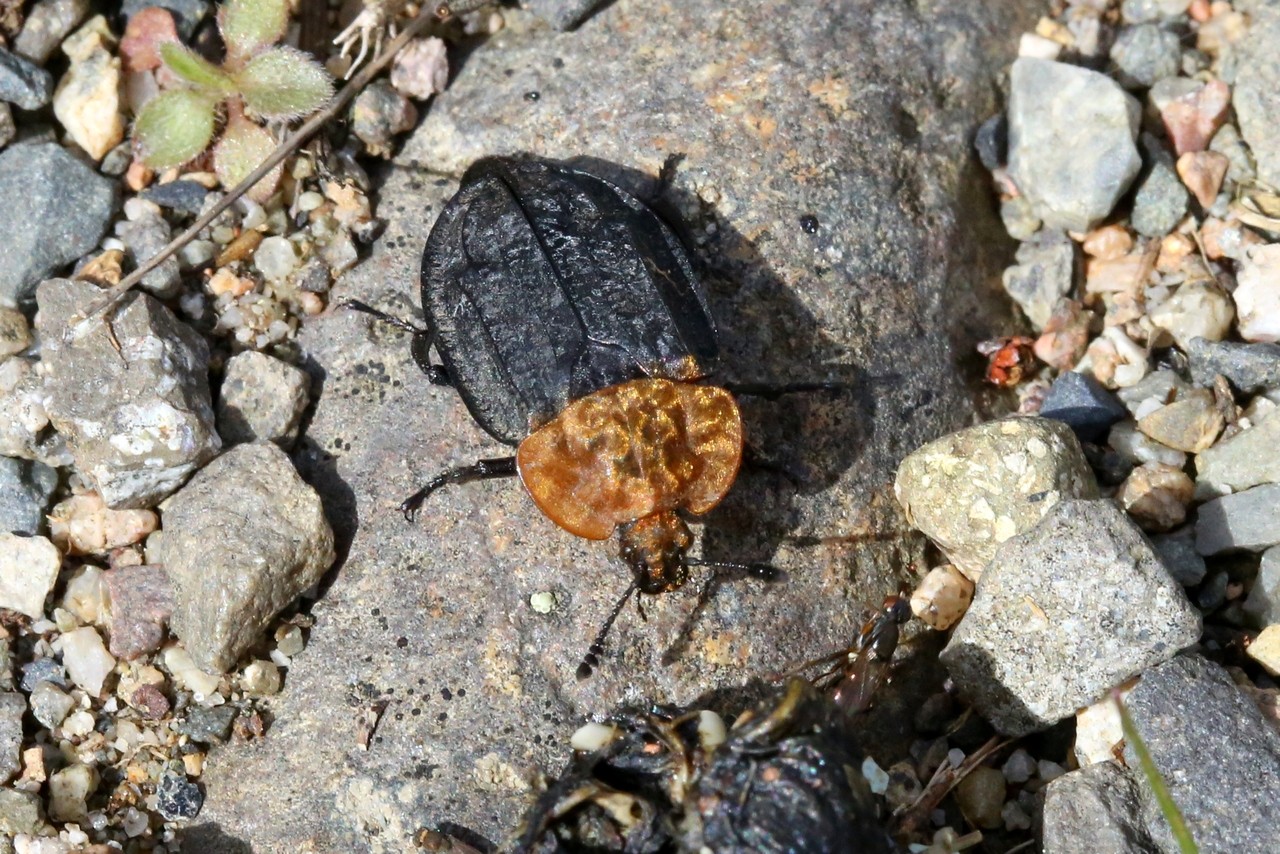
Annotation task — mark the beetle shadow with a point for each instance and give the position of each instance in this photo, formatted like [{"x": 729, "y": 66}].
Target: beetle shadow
[{"x": 799, "y": 442}]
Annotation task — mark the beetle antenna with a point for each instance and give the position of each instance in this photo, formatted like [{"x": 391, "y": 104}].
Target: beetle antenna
[
  {"x": 391, "y": 319},
  {"x": 762, "y": 571},
  {"x": 591, "y": 660}
]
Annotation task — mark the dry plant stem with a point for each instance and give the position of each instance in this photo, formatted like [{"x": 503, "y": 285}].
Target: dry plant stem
[
  {"x": 291, "y": 144},
  {"x": 913, "y": 816}
]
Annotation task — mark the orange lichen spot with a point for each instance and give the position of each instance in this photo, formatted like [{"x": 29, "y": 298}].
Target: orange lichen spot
[{"x": 632, "y": 450}]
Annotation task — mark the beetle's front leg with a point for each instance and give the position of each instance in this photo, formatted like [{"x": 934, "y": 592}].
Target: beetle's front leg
[{"x": 479, "y": 470}]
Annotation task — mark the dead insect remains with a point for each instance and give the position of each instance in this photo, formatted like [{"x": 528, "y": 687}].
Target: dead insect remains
[{"x": 569, "y": 318}]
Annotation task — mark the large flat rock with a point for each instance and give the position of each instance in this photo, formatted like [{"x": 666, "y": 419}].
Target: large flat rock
[{"x": 857, "y": 114}]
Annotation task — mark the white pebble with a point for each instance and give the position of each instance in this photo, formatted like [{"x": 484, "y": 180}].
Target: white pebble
[
  {"x": 1019, "y": 767},
  {"x": 186, "y": 674},
  {"x": 86, "y": 658},
  {"x": 254, "y": 214},
  {"x": 877, "y": 778},
  {"x": 136, "y": 209},
  {"x": 28, "y": 569},
  {"x": 309, "y": 201},
  {"x": 275, "y": 258},
  {"x": 110, "y": 243},
  {"x": 135, "y": 822},
  {"x": 1038, "y": 47},
  {"x": 1137, "y": 447},
  {"x": 261, "y": 678},
  {"x": 1257, "y": 293},
  {"x": 592, "y": 736},
  {"x": 543, "y": 603},
  {"x": 85, "y": 595},
  {"x": 955, "y": 756},
  {"x": 77, "y": 724},
  {"x": 68, "y": 791},
  {"x": 711, "y": 731},
  {"x": 196, "y": 252},
  {"x": 942, "y": 597},
  {"x": 1197, "y": 310}
]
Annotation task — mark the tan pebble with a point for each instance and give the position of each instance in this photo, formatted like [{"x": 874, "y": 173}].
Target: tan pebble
[
  {"x": 1065, "y": 336},
  {"x": 1227, "y": 238},
  {"x": 226, "y": 282},
  {"x": 1202, "y": 173},
  {"x": 1198, "y": 309},
  {"x": 83, "y": 524},
  {"x": 1265, "y": 649},
  {"x": 1156, "y": 496},
  {"x": 193, "y": 763},
  {"x": 1004, "y": 529},
  {"x": 1099, "y": 732},
  {"x": 1200, "y": 11},
  {"x": 1193, "y": 119},
  {"x": 1174, "y": 250},
  {"x": 104, "y": 270},
  {"x": 942, "y": 597},
  {"x": 240, "y": 249},
  {"x": 138, "y": 176},
  {"x": 1110, "y": 241},
  {"x": 1115, "y": 275},
  {"x": 1191, "y": 423},
  {"x": 311, "y": 304},
  {"x": 980, "y": 796}
]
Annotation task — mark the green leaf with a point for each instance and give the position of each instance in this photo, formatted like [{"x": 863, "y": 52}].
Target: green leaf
[
  {"x": 284, "y": 83},
  {"x": 1173, "y": 815},
  {"x": 195, "y": 69},
  {"x": 243, "y": 146},
  {"x": 250, "y": 25},
  {"x": 174, "y": 127}
]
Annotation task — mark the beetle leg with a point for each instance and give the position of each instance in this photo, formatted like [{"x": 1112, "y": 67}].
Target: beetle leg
[
  {"x": 436, "y": 374},
  {"x": 480, "y": 470},
  {"x": 773, "y": 391},
  {"x": 762, "y": 571}
]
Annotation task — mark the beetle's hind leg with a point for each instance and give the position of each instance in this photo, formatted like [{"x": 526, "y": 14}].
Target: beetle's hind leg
[
  {"x": 479, "y": 470},
  {"x": 436, "y": 374}
]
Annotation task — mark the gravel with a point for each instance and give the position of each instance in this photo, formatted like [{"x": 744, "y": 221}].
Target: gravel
[
  {"x": 86, "y": 658},
  {"x": 1248, "y": 520},
  {"x": 144, "y": 237},
  {"x": 1218, "y": 754},
  {"x": 25, "y": 489},
  {"x": 1145, "y": 53},
  {"x": 12, "y": 707},
  {"x": 48, "y": 23},
  {"x": 20, "y": 812},
  {"x": 1094, "y": 810},
  {"x": 1080, "y": 402},
  {"x": 242, "y": 540},
  {"x": 55, "y": 209},
  {"x": 141, "y": 604},
  {"x": 177, "y": 797},
  {"x": 1263, "y": 604},
  {"x": 139, "y": 443},
  {"x": 1245, "y": 460},
  {"x": 1044, "y": 274},
  {"x": 28, "y": 569},
  {"x": 1190, "y": 423},
  {"x": 50, "y": 705},
  {"x": 563, "y": 14},
  {"x": 1071, "y": 141},
  {"x": 1248, "y": 367},
  {"x": 23, "y": 83},
  {"x": 262, "y": 398},
  {"x": 208, "y": 725},
  {"x": 1178, "y": 551},
  {"x": 1064, "y": 612},
  {"x": 1257, "y": 92},
  {"x": 181, "y": 196},
  {"x": 1160, "y": 201},
  {"x": 974, "y": 489}
]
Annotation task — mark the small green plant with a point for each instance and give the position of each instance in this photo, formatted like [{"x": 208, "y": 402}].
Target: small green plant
[
  {"x": 1173, "y": 815},
  {"x": 257, "y": 82}
]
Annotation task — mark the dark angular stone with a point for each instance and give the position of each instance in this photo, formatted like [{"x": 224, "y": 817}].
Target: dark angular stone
[
  {"x": 177, "y": 797},
  {"x": 1082, "y": 404},
  {"x": 1248, "y": 367}
]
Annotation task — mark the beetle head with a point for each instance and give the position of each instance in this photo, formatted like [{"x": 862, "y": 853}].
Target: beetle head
[{"x": 654, "y": 547}]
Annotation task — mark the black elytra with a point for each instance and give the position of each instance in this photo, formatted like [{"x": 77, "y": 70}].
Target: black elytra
[{"x": 542, "y": 284}]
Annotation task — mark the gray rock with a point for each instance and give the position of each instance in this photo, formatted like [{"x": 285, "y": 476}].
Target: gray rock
[
  {"x": 24, "y": 424},
  {"x": 456, "y": 586},
  {"x": 50, "y": 705},
  {"x": 42, "y": 670},
  {"x": 1256, "y": 96},
  {"x": 1248, "y": 520},
  {"x": 1080, "y": 402},
  {"x": 379, "y": 114},
  {"x": 992, "y": 142},
  {"x": 8, "y": 130},
  {"x": 23, "y": 83},
  {"x": 208, "y": 724},
  {"x": 242, "y": 540},
  {"x": 144, "y": 238},
  {"x": 187, "y": 14},
  {"x": 1071, "y": 141},
  {"x": 1019, "y": 219},
  {"x": 1249, "y": 367},
  {"x": 1218, "y": 754},
  {"x": 53, "y": 209},
  {"x": 563, "y": 14},
  {"x": 1178, "y": 551},
  {"x": 1263, "y": 602},
  {"x": 1152, "y": 391},
  {"x": 1144, "y": 11},
  {"x": 182, "y": 196},
  {"x": 1212, "y": 593},
  {"x": 12, "y": 707},
  {"x": 47, "y": 24},
  {"x": 1063, "y": 613},
  {"x": 1227, "y": 141},
  {"x": 262, "y": 398},
  {"x": 1245, "y": 460},
  {"x": 19, "y": 812},
  {"x": 139, "y": 442},
  {"x": 141, "y": 604},
  {"x": 177, "y": 797},
  {"x": 974, "y": 489},
  {"x": 1161, "y": 199},
  {"x": 1044, "y": 274},
  {"x": 1144, "y": 54},
  {"x": 25, "y": 489},
  {"x": 1094, "y": 810}
]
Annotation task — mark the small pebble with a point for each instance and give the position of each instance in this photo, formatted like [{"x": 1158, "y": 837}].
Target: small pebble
[
  {"x": 50, "y": 705},
  {"x": 1248, "y": 521},
  {"x": 25, "y": 487},
  {"x": 86, "y": 658},
  {"x": 1203, "y": 172},
  {"x": 1257, "y": 294},
  {"x": 261, "y": 678},
  {"x": 1242, "y": 461},
  {"x": 208, "y": 725},
  {"x": 1177, "y": 551},
  {"x": 150, "y": 701},
  {"x": 980, "y": 796},
  {"x": 185, "y": 672},
  {"x": 48, "y": 23},
  {"x": 1144, "y": 54},
  {"x": 1263, "y": 603},
  {"x": 69, "y": 791},
  {"x": 1249, "y": 367},
  {"x": 421, "y": 68},
  {"x": 42, "y": 670},
  {"x": 15, "y": 334},
  {"x": 28, "y": 569},
  {"x": 84, "y": 524},
  {"x": 1190, "y": 423},
  {"x": 22, "y": 83},
  {"x": 1065, "y": 337},
  {"x": 1265, "y": 649},
  {"x": 592, "y": 736},
  {"x": 1196, "y": 310},
  {"x": 141, "y": 604},
  {"x": 876, "y": 777},
  {"x": 1019, "y": 767},
  {"x": 83, "y": 595},
  {"x": 1191, "y": 119},
  {"x": 1083, "y": 404},
  {"x": 1108, "y": 242},
  {"x": 1043, "y": 275},
  {"x": 262, "y": 398},
  {"x": 1156, "y": 496},
  {"x": 177, "y": 797},
  {"x": 379, "y": 114},
  {"x": 87, "y": 102},
  {"x": 942, "y": 597},
  {"x": 1099, "y": 731},
  {"x": 1014, "y": 817},
  {"x": 1160, "y": 201},
  {"x": 543, "y": 602},
  {"x": 275, "y": 258}
]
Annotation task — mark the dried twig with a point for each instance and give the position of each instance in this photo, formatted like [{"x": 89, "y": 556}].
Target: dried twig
[{"x": 291, "y": 144}]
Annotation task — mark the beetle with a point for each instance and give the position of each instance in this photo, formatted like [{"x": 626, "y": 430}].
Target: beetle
[{"x": 569, "y": 318}]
